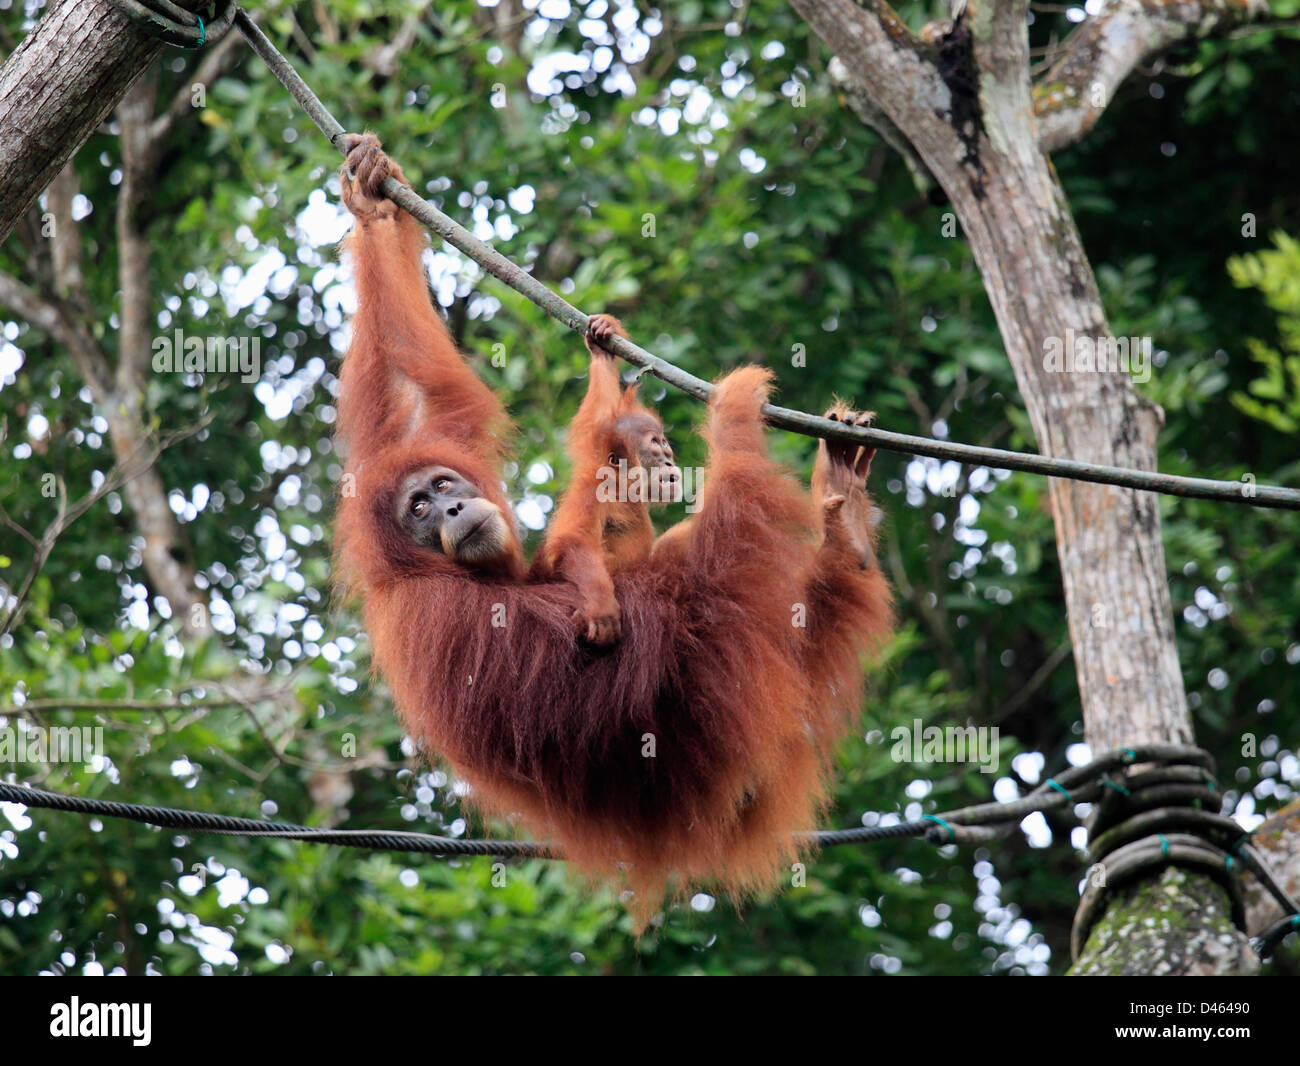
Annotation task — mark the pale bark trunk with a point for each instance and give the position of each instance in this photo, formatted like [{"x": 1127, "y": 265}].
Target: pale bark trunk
[
  {"x": 1108, "y": 539},
  {"x": 60, "y": 83},
  {"x": 963, "y": 99}
]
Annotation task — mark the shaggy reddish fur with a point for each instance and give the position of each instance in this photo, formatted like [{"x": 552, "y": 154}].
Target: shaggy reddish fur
[{"x": 744, "y": 708}]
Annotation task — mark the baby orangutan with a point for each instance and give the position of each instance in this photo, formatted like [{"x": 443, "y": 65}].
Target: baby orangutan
[{"x": 622, "y": 464}]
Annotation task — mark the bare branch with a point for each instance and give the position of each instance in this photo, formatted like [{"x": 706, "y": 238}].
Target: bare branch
[
  {"x": 134, "y": 115},
  {"x": 1095, "y": 59},
  {"x": 1045, "y": 670},
  {"x": 41, "y": 554},
  {"x": 125, "y": 473},
  {"x": 328, "y": 27},
  {"x": 65, "y": 327},
  {"x": 383, "y": 59},
  {"x": 20, "y": 530},
  {"x": 28, "y": 305},
  {"x": 300, "y": 37},
  {"x": 65, "y": 240}
]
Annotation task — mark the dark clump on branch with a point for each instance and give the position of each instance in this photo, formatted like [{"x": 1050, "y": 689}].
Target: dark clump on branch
[{"x": 955, "y": 60}]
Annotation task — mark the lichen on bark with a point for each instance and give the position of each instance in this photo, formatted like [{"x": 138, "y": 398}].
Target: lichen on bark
[{"x": 1177, "y": 925}]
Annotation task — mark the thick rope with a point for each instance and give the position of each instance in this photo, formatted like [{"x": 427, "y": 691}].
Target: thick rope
[
  {"x": 1168, "y": 815},
  {"x": 1126, "y": 834},
  {"x": 938, "y": 829},
  {"x": 177, "y": 26},
  {"x": 201, "y": 822}
]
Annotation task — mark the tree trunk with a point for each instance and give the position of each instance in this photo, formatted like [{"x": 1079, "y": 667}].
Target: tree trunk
[
  {"x": 962, "y": 96},
  {"x": 1112, "y": 559},
  {"x": 1175, "y": 924},
  {"x": 145, "y": 495},
  {"x": 60, "y": 83}
]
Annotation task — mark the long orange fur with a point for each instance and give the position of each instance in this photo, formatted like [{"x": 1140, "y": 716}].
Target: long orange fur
[{"x": 741, "y": 707}]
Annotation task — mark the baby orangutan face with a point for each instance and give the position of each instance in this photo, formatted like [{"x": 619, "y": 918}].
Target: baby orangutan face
[
  {"x": 440, "y": 509},
  {"x": 638, "y": 440}
]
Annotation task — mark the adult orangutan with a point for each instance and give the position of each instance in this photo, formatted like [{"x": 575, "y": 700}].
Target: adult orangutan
[{"x": 693, "y": 746}]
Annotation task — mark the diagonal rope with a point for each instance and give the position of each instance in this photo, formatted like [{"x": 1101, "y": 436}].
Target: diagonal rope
[{"x": 526, "y": 285}]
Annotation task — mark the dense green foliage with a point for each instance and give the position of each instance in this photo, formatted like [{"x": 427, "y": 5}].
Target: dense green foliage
[{"x": 779, "y": 221}]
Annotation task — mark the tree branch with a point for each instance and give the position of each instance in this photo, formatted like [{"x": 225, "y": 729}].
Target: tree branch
[
  {"x": 886, "y": 62},
  {"x": 123, "y": 474},
  {"x": 383, "y": 58},
  {"x": 65, "y": 240},
  {"x": 54, "y": 319},
  {"x": 139, "y": 155},
  {"x": 861, "y": 104},
  {"x": 1099, "y": 54}
]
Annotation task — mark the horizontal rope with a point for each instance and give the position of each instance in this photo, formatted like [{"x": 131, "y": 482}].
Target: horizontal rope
[
  {"x": 526, "y": 285},
  {"x": 201, "y": 822},
  {"x": 967, "y": 825},
  {"x": 375, "y": 839},
  {"x": 938, "y": 829}
]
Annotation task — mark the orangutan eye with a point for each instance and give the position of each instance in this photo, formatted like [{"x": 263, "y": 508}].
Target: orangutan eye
[
  {"x": 420, "y": 506},
  {"x": 613, "y": 459},
  {"x": 441, "y": 484}
]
